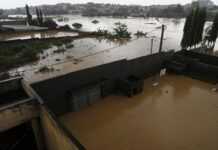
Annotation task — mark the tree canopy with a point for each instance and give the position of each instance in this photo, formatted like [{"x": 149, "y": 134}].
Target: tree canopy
[
  {"x": 194, "y": 27},
  {"x": 213, "y": 32}
]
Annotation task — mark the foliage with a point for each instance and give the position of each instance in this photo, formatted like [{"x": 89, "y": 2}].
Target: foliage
[
  {"x": 140, "y": 34},
  {"x": 39, "y": 15},
  {"x": 121, "y": 31},
  {"x": 95, "y": 21},
  {"x": 213, "y": 32},
  {"x": 49, "y": 23},
  {"x": 77, "y": 25},
  {"x": 22, "y": 52},
  {"x": 194, "y": 27},
  {"x": 29, "y": 16}
]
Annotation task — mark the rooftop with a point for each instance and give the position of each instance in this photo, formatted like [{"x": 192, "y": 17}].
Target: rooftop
[{"x": 179, "y": 113}]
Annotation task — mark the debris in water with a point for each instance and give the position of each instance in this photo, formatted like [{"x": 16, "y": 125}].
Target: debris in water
[
  {"x": 45, "y": 69},
  {"x": 155, "y": 84},
  {"x": 163, "y": 72},
  {"x": 215, "y": 89}
]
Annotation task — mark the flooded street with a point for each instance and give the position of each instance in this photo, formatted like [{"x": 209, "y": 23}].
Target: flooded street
[
  {"x": 90, "y": 52},
  {"x": 173, "y": 32},
  {"x": 31, "y": 35},
  {"x": 179, "y": 114},
  {"x": 86, "y": 53}
]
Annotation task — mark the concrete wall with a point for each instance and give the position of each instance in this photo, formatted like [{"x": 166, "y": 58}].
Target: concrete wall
[
  {"x": 21, "y": 22},
  {"x": 53, "y": 91},
  {"x": 200, "y": 66},
  {"x": 204, "y": 58},
  {"x": 55, "y": 137},
  {"x": 10, "y": 85},
  {"x": 17, "y": 114}
]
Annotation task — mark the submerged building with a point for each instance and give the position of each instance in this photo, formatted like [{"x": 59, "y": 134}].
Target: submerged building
[{"x": 124, "y": 104}]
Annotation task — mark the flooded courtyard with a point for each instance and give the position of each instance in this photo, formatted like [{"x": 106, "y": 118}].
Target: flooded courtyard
[{"x": 180, "y": 113}]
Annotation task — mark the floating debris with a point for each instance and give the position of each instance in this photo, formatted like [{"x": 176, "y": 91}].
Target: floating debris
[
  {"x": 69, "y": 46},
  {"x": 155, "y": 84},
  {"x": 140, "y": 34},
  {"x": 45, "y": 69},
  {"x": 95, "y": 21},
  {"x": 57, "y": 59},
  {"x": 214, "y": 90},
  {"x": 69, "y": 57},
  {"x": 152, "y": 23},
  {"x": 59, "y": 51},
  {"x": 163, "y": 72},
  {"x": 77, "y": 25}
]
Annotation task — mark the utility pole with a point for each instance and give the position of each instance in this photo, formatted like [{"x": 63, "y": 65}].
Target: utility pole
[
  {"x": 152, "y": 42},
  {"x": 161, "y": 38}
]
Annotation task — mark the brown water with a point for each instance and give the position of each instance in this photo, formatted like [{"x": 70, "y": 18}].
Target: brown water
[
  {"x": 31, "y": 35},
  {"x": 99, "y": 51},
  {"x": 179, "y": 114}
]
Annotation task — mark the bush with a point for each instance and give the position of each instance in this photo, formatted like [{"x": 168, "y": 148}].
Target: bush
[
  {"x": 50, "y": 24},
  {"x": 140, "y": 34},
  {"x": 121, "y": 31},
  {"x": 77, "y": 25},
  {"x": 95, "y": 21}
]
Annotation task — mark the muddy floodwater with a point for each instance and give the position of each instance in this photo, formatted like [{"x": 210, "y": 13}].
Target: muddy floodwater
[
  {"x": 36, "y": 34},
  {"x": 90, "y": 52},
  {"x": 178, "y": 114}
]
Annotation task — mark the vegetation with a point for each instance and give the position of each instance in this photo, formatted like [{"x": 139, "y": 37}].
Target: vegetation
[
  {"x": 22, "y": 52},
  {"x": 39, "y": 15},
  {"x": 95, "y": 21},
  {"x": 45, "y": 69},
  {"x": 140, "y": 34},
  {"x": 40, "y": 20},
  {"x": 77, "y": 25},
  {"x": 121, "y": 31},
  {"x": 29, "y": 16},
  {"x": 213, "y": 33},
  {"x": 194, "y": 27},
  {"x": 117, "y": 10}
]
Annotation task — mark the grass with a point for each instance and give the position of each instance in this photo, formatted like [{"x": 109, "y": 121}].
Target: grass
[{"x": 14, "y": 54}]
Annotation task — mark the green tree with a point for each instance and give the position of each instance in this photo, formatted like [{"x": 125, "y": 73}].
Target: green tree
[
  {"x": 194, "y": 27},
  {"x": 29, "y": 16},
  {"x": 121, "y": 30},
  {"x": 213, "y": 33},
  {"x": 38, "y": 16},
  {"x": 41, "y": 18},
  {"x": 185, "y": 43}
]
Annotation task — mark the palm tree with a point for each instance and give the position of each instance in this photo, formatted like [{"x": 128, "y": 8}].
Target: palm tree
[{"x": 213, "y": 33}]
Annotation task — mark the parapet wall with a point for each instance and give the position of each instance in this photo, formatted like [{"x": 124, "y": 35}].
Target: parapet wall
[
  {"x": 54, "y": 91},
  {"x": 55, "y": 137},
  {"x": 10, "y": 85}
]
